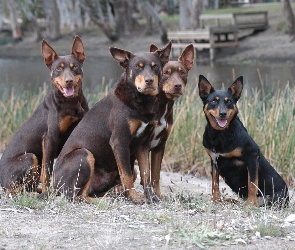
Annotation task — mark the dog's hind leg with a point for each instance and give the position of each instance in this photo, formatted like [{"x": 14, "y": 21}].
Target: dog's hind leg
[
  {"x": 73, "y": 174},
  {"x": 22, "y": 173}
]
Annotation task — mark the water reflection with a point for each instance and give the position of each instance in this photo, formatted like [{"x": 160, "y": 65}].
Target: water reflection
[{"x": 24, "y": 74}]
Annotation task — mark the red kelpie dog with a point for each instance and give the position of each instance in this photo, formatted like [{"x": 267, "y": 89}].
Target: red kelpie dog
[
  {"x": 96, "y": 157},
  {"x": 234, "y": 154},
  {"x": 172, "y": 86},
  {"x": 41, "y": 137}
]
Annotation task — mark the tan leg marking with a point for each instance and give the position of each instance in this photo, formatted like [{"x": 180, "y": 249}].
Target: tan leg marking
[
  {"x": 252, "y": 191},
  {"x": 44, "y": 178},
  {"x": 144, "y": 167},
  {"x": 86, "y": 189},
  {"x": 215, "y": 184}
]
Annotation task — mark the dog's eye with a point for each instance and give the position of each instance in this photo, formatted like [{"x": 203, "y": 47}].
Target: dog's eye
[
  {"x": 182, "y": 73},
  {"x": 214, "y": 101},
  {"x": 155, "y": 66},
  {"x": 166, "y": 73},
  {"x": 137, "y": 66},
  {"x": 75, "y": 67},
  {"x": 59, "y": 68},
  {"x": 228, "y": 101}
]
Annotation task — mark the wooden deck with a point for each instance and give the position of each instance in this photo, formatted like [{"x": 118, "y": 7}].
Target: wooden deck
[{"x": 218, "y": 31}]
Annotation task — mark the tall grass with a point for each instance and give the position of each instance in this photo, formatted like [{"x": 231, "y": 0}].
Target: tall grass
[{"x": 269, "y": 118}]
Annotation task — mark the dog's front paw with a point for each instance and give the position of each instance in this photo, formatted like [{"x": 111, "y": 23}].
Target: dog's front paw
[
  {"x": 250, "y": 202},
  {"x": 136, "y": 197},
  {"x": 150, "y": 195}
]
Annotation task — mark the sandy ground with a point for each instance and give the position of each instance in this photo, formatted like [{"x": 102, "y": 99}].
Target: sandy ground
[{"x": 170, "y": 224}]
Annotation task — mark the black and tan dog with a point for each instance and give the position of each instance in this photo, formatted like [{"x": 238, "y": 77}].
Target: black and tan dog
[
  {"x": 172, "y": 86},
  {"x": 234, "y": 154},
  {"x": 39, "y": 140},
  {"x": 96, "y": 157}
]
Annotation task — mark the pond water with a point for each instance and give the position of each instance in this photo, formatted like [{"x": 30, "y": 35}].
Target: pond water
[{"x": 23, "y": 74}]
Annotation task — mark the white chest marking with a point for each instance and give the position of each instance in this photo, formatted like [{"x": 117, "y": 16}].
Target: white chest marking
[
  {"x": 141, "y": 129},
  {"x": 214, "y": 157},
  {"x": 159, "y": 129}
]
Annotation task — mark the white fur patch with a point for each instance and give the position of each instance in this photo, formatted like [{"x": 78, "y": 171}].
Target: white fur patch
[
  {"x": 214, "y": 157},
  {"x": 159, "y": 129},
  {"x": 141, "y": 129}
]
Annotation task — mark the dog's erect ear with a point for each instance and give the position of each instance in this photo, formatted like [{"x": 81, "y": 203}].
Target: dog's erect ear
[
  {"x": 187, "y": 57},
  {"x": 78, "y": 49},
  {"x": 236, "y": 88},
  {"x": 205, "y": 88},
  {"x": 153, "y": 48},
  {"x": 164, "y": 53},
  {"x": 121, "y": 56},
  {"x": 48, "y": 53}
]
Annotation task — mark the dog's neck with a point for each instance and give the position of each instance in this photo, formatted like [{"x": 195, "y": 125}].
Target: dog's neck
[{"x": 162, "y": 103}]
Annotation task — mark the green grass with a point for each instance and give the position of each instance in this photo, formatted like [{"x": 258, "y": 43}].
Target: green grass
[
  {"x": 268, "y": 117},
  {"x": 27, "y": 200}
]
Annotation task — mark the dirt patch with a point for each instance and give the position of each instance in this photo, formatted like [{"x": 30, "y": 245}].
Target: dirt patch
[{"x": 186, "y": 219}]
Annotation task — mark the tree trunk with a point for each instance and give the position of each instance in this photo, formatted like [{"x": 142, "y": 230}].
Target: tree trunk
[
  {"x": 161, "y": 25},
  {"x": 1, "y": 15},
  {"x": 16, "y": 30},
  {"x": 185, "y": 14},
  {"x": 290, "y": 21},
  {"x": 52, "y": 19},
  {"x": 197, "y": 9},
  {"x": 96, "y": 19},
  {"x": 120, "y": 16}
]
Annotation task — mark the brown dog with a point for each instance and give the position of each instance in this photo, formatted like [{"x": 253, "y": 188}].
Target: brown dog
[
  {"x": 172, "y": 86},
  {"x": 96, "y": 156},
  {"x": 40, "y": 139}
]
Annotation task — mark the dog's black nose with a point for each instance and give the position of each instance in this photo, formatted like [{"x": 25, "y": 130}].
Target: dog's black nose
[
  {"x": 177, "y": 86},
  {"x": 69, "y": 81},
  {"x": 149, "y": 81},
  {"x": 222, "y": 113}
]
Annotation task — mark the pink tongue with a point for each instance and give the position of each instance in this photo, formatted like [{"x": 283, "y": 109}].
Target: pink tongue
[
  {"x": 69, "y": 91},
  {"x": 221, "y": 123}
]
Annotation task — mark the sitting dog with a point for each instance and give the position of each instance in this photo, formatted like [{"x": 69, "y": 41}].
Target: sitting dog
[
  {"x": 172, "y": 86},
  {"x": 96, "y": 157},
  {"x": 40, "y": 139},
  {"x": 234, "y": 154}
]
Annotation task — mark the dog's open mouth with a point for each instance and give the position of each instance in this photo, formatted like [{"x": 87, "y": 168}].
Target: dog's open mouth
[
  {"x": 68, "y": 91},
  {"x": 220, "y": 122}
]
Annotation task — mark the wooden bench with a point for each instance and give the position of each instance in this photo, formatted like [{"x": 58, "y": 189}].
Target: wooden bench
[
  {"x": 257, "y": 20},
  {"x": 219, "y": 30},
  {"x": 216, "y": 20},
  {"x": 209, "y": 38}
]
